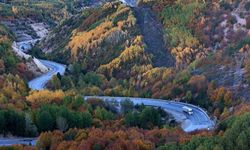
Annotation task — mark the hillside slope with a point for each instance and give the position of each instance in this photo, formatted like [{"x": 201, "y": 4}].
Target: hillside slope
[
  {"x": 152, "y": 31},
  {"x": 92, "y": 34},
  {"x": 104, "y": 33}
]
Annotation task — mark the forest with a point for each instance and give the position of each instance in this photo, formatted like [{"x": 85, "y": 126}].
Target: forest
[{"x": 107, "y": 53}]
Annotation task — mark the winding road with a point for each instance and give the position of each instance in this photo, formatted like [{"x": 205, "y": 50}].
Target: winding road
[
  {"x": 49, "y": 68},
  {"x": 40, "y": 82},
  {"x": 199, "y": 120}
]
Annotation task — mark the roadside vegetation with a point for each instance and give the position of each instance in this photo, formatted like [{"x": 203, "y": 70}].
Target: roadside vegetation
[
  {"x": 51, "y": 11},
  {"x": 100, "y": 64},
  {"x": 105, "y": 53}
]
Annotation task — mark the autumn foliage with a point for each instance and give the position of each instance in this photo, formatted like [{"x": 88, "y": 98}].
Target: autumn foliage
[
  {"x": 131, "y": 139},
  {"x": 38, "y": 98},
  {"x": 103, "y": 34}
]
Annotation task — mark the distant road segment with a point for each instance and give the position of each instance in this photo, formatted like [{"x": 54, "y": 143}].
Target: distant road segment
[
  {"x": 40, "y": 82},
  {"x": 14, "y": 141}
]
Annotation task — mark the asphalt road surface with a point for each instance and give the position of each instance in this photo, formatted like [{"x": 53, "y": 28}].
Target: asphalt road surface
[
  {"x": 14, "y": 141},
  {"x": 199, "y": 120},
  {"x": 40, "y": 82}
]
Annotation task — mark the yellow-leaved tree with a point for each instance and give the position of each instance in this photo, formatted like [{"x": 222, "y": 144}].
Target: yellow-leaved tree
[{"x": 45, "y": 97}]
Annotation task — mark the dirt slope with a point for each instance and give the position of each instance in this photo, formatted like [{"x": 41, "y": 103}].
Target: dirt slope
[{"x": 152, "y": 32}]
